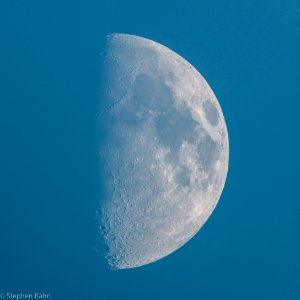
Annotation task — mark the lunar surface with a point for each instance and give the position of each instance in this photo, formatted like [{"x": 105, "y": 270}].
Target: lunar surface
[{"x": 163, "y": 151}]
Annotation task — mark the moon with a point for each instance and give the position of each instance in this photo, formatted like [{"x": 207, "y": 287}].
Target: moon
[{"x": 163, "y": 151}]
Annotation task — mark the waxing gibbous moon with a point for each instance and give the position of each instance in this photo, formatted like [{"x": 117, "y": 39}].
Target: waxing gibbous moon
[{"x": 163, "y": 151}]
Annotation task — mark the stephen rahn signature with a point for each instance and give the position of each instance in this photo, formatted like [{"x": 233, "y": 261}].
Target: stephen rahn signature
[{"x": 18, "y": 296}]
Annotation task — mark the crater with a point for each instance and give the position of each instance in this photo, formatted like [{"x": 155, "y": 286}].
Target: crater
[
  {"x": 183, "y": 177},
  {"x": 208, "y": 152},
  {"x": 211, "y": 113}
]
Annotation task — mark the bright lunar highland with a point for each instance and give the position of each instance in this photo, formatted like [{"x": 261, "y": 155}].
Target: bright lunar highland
[{"x": 163, "y": 151}]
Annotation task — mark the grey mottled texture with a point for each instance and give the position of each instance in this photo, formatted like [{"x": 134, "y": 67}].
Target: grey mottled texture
[{"x": 164, "y": 151}]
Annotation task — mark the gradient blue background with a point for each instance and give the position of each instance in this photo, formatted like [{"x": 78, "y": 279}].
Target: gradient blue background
[{"x": 49, "y": 85}]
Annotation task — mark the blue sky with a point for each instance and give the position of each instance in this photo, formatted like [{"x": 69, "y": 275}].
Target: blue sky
[{"x": 248, "y": 51}]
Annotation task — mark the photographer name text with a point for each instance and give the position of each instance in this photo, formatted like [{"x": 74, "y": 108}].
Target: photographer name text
[{"x": 18, "y": 296}]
